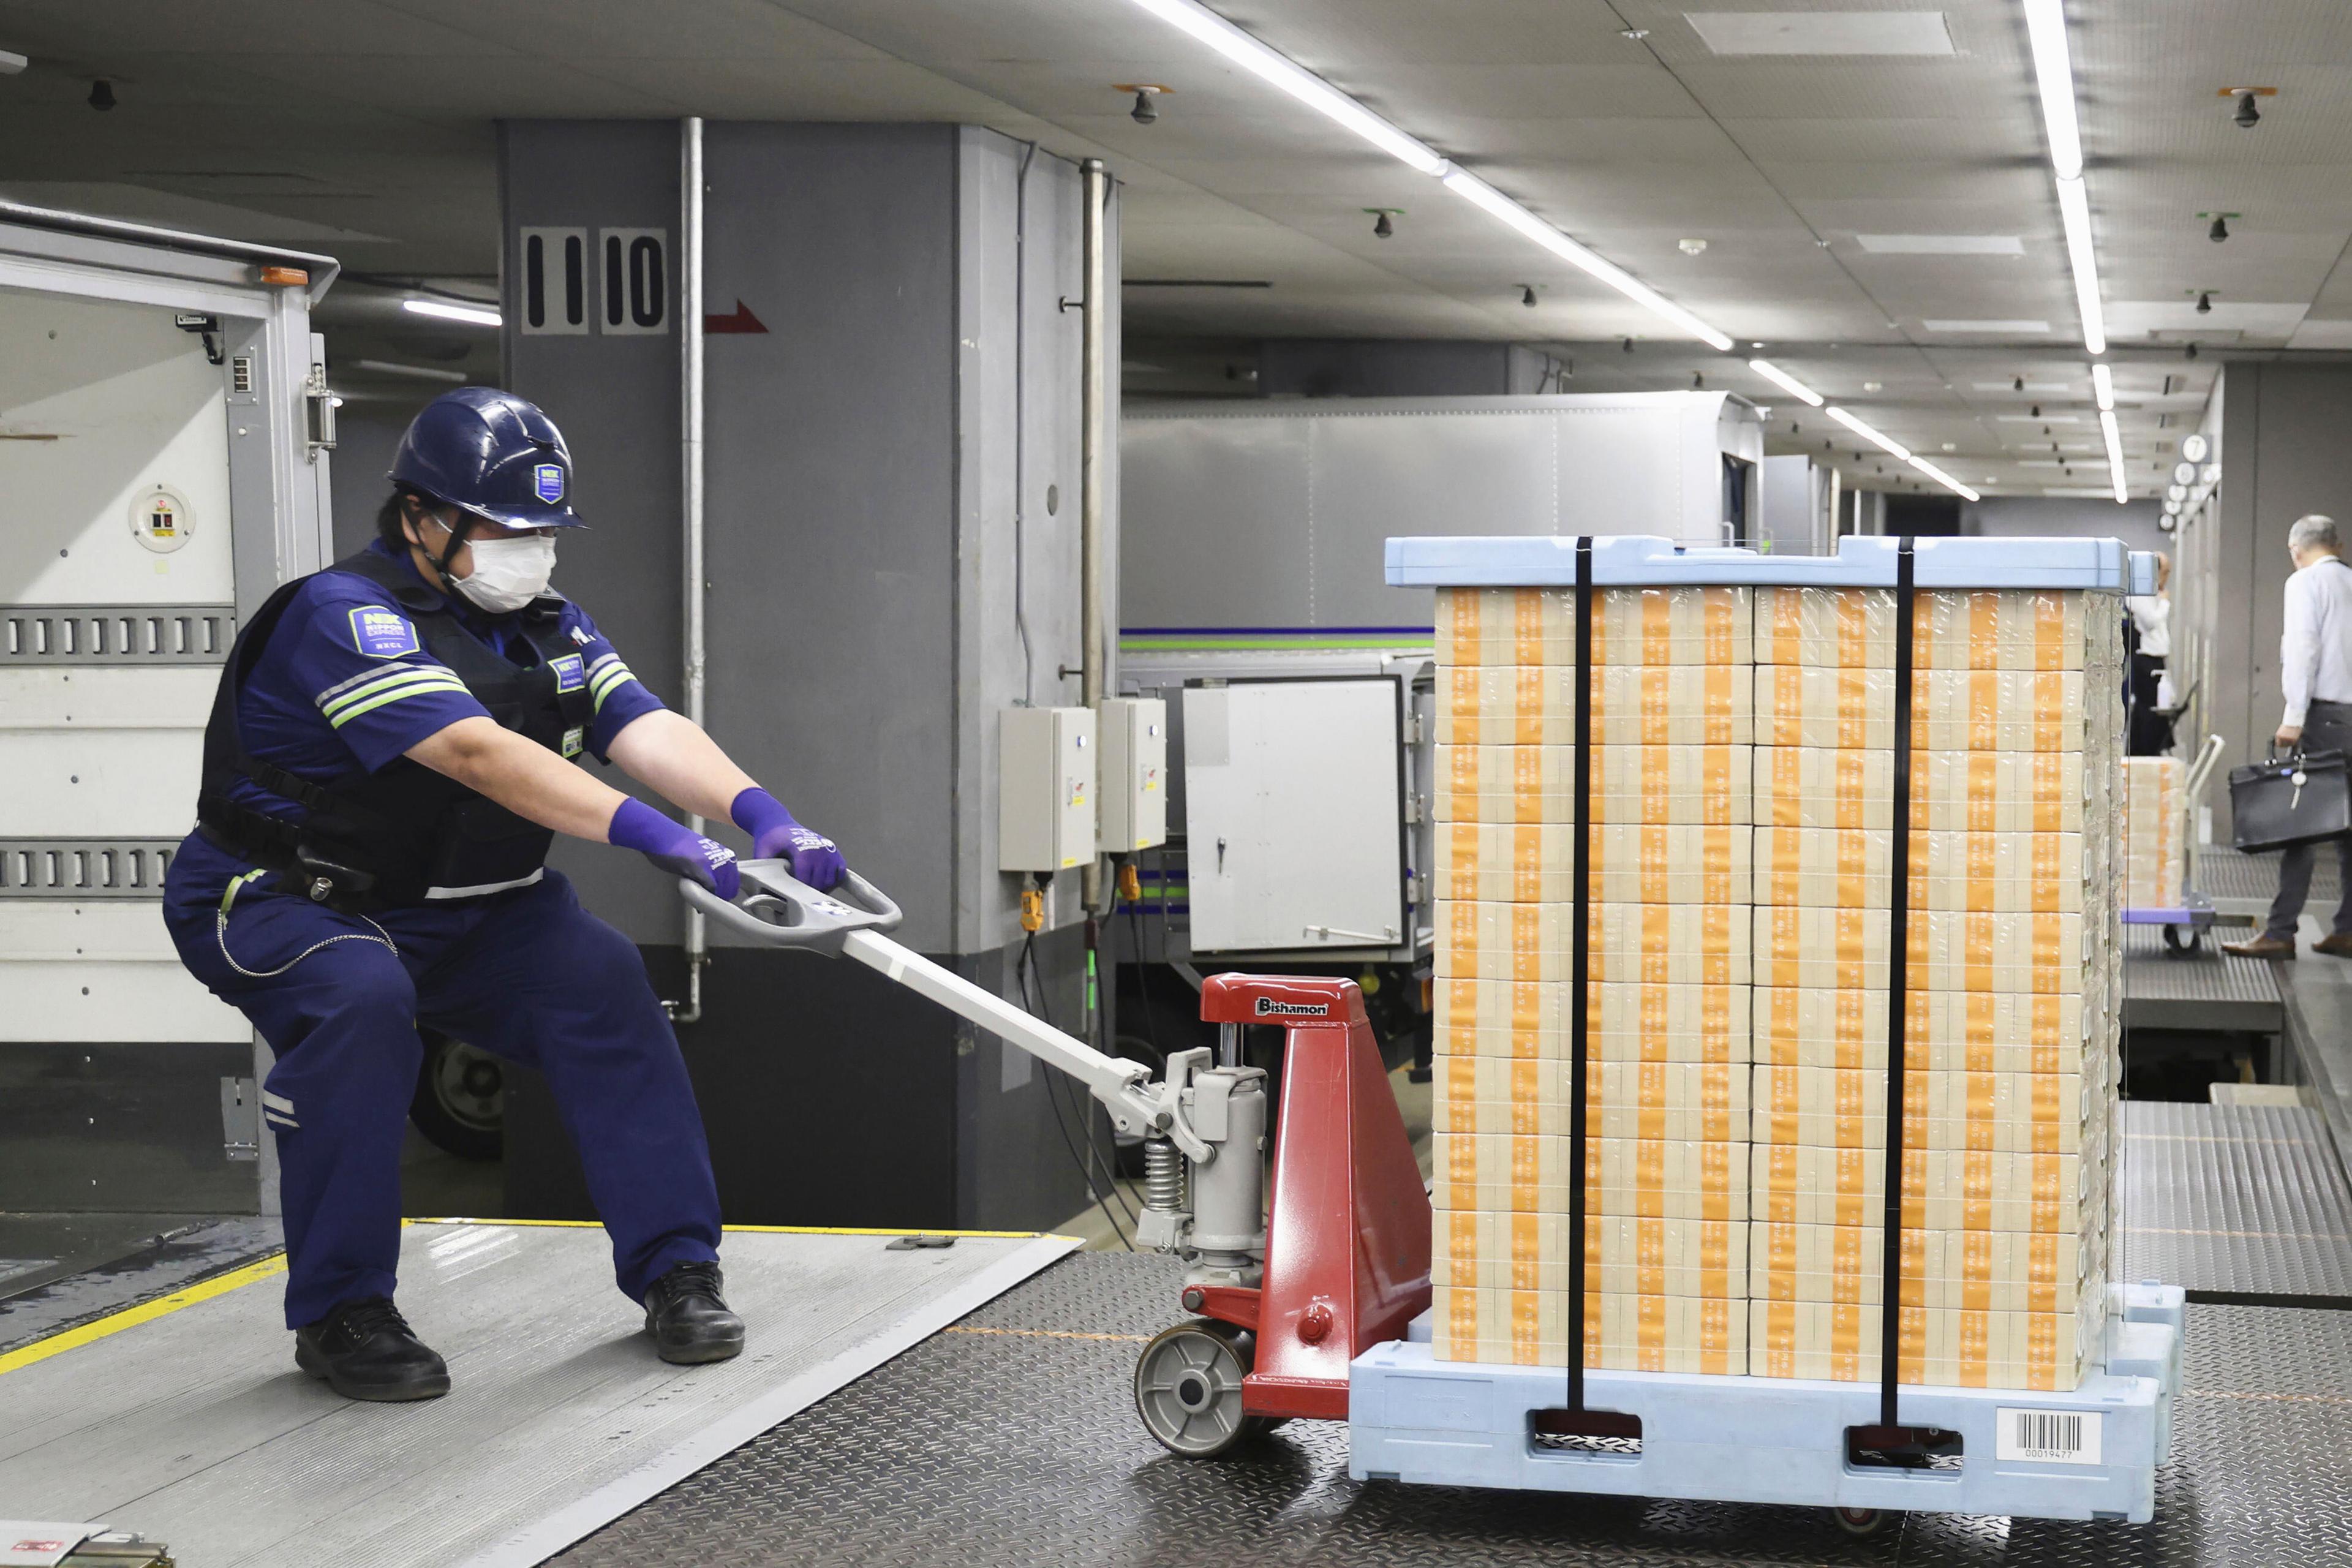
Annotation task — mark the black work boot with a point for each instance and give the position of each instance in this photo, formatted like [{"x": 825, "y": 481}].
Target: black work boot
[
  {"x": 365, "y": 1349},
  {"x": 688, "y": 1317}
]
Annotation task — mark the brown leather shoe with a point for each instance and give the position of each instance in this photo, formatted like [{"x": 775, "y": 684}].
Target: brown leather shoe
[
  {"x": 2339, "y": 945},
  {"x": 2265, "y": 947}
]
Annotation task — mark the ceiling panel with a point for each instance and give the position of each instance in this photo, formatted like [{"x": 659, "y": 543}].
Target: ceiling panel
[{"x": 374, "y": 117}]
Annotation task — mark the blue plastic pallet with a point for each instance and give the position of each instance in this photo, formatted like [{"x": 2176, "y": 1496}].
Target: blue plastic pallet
[
  {"x": 2098, "y": 565},
  {"x": 1774, "y": 1440}
]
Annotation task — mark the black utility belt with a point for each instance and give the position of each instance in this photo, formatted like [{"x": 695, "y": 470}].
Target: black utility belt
[{"x": 302, "y": 871}]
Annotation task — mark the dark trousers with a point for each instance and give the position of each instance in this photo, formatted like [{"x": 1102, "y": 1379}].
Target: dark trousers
[
  {"x": 2152, "y": 735},
  {"x": 2326, "y": 727},
  {"x": 528, "y": 975}
]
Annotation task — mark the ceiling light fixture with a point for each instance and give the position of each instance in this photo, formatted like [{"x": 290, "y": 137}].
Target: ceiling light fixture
[
  {"x": 420, "y": 371},
  {"x": 1479, "y": 194},
  {"x": 1282, "y": 71},
  {"x": 2115, "y": 452},
  {"x": 1944, "y": 479},
  {"x": 1244, "y": 50},
  {"x": 1867, "y": 433},
  {"x": 2103, "y": 383},
  {"x": 473, "y": 315},
  {"x": 2053, "y": 70},
  {"x": 1786, "y": 382},
  {"x": 2074, "y": 210},
  {"x": 12, "y": 63}
]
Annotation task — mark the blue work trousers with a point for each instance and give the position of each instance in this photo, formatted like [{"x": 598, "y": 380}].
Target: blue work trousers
[{"x": 527, "y": 975}]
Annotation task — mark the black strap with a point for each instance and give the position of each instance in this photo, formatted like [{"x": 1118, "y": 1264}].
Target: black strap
[
  {"x": 1898, "y": 964},
  {"x": 1579, "y": 992}
]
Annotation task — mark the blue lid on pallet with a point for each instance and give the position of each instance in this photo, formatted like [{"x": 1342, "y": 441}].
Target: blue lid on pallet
[{"x": 2100, "y": 566}]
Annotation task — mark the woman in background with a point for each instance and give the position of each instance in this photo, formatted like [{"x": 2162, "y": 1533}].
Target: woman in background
[{"x": 2151, "y": 619}]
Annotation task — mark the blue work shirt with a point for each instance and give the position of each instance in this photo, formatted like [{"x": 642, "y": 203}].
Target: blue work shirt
[{"x": 345, "y": 683}]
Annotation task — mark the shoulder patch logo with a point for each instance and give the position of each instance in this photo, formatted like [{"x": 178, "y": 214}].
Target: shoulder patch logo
[
  {"x": 380, "y": 633},
  {"x": 547, "y": 482}
]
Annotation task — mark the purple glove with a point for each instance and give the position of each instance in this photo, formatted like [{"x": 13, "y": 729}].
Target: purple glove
[
  {"x": 776, "y": 837},
  {"x": 675, "y": 847}
]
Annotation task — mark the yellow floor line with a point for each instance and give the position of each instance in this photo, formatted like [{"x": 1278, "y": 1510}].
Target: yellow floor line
[
  {"x": 132, "y": 1317},
  {"x": 1049, "y": 1334}
]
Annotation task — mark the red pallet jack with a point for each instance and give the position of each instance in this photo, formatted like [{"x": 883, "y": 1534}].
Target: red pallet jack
[{"x": 1286, "y": 1294}]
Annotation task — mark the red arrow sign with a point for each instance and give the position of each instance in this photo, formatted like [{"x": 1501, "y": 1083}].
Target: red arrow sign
[{"x": 742, "y": 320}]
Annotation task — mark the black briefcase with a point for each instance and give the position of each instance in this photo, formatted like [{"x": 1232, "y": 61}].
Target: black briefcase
[{"x": 2289, "y": 800}]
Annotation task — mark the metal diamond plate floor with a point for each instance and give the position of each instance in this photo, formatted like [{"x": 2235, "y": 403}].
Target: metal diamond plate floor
[
  {"x": 2207, "y": 989},
  {"x": 1010, "y": 1440},
  {"x": 2226, "y": 873},
  {"x": 2241, "y": 1199}
]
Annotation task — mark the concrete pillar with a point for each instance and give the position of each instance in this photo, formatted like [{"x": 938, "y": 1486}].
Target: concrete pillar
[{"x": 893, "y": 415}]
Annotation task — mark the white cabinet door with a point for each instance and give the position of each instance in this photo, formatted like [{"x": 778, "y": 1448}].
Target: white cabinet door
[{"x": 1293, "y": 814}]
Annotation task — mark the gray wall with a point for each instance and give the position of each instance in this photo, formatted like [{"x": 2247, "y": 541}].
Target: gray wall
[
  {"x": 892, "y": 468},
  {"x": 2065, "y": 517},
  {"x": 2280, "y": 439},
  {"x": 1363, "y": 367},
  {"x": 615, "y": 398},
  {"x": 365, "y": 439},
  {"x": 862, "y": 498}
]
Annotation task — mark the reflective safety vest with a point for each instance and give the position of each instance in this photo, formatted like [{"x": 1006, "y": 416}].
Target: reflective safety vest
[{"x": 404, "y": 833}]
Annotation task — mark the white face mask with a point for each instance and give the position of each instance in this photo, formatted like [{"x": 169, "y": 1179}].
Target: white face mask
[{"x": 509, "y": 573}]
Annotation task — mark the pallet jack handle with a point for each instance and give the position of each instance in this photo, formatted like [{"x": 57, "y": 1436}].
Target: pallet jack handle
[{"x": 776, "y": 909}]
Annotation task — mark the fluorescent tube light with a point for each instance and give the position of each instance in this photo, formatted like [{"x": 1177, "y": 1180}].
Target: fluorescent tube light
[
  {"x": 2103, "y": 381},
  {"x": 420, "y": 372},
  {"x": 2074, "y": 207},
  {"x": 1867, "y": 433},
  {"x": 476, "y": 315},
  {"x": 1785, "y": 382},
  {"x": 2115, "y": 452},
  {"x": 1295, "y": 80},
  {"x": 2045, "y": 26},
  {"x": 1479, "y": 194},
  {"x": 1944, "y": 479}
]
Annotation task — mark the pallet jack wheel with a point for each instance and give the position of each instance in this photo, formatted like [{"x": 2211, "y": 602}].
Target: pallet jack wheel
[
  {"x": 460, "y": 1098},
  {"x": 1188, "y": 1389},
  {"x": 2174, "y": 942},
  {"x": 1859, "y": 1521}
]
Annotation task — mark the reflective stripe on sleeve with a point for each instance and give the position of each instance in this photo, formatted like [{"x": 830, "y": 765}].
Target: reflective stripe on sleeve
[
  {"x": 370, "y": 695},
  {"x": 604, "y": 676}
]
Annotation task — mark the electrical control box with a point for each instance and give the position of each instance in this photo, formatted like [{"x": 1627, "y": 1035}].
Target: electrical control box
[
  {"x": 1045, "y": 789},
  {"x": 1134, "y": 773}
]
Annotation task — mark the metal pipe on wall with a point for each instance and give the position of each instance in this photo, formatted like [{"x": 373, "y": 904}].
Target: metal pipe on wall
[
  {"x": 1094, "y": 558},
  {"x": 690, "y": 494}
]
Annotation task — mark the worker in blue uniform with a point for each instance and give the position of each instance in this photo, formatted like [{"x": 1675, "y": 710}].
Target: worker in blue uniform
[{"x": 390, "y": 755}]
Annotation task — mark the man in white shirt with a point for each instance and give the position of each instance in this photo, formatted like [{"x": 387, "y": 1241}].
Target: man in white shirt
[
  {"x": 2151, "y": 619},
  {"x": 2315, "y": 668}
]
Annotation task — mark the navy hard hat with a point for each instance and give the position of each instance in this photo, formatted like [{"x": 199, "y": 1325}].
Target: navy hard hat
[{"x": 491, "y": 453}]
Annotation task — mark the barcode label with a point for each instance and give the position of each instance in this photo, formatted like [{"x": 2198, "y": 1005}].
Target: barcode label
[{"x": 2053, "y": 1437}]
